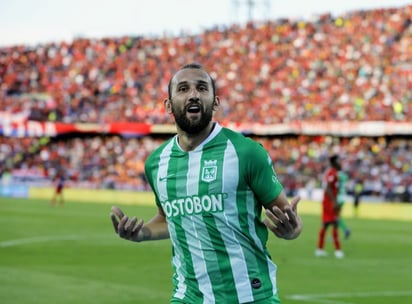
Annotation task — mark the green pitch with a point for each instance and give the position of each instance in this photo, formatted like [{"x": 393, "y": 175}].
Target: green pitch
[{"x": 70, "y": 254}]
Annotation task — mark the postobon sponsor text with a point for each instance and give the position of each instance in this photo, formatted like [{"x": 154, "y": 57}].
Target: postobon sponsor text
[{"x": 194, "y": 205}]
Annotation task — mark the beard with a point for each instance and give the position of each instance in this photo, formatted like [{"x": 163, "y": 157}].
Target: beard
[{"x": 192, "y": 126}]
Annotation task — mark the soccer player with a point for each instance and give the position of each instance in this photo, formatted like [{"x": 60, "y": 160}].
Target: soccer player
[
  {"x": 211, "y": 185},
  {"x": 357, "y": 193},
  {"x": 330, "y": 209},
  {"x": 58, "y": 190}
]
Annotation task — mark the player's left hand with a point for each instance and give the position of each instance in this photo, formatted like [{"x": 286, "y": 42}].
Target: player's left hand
[{"x": 284, "y": 224}]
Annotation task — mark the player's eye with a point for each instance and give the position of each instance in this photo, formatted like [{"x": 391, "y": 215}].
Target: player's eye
[
  {"x": 202, "y": 88},
  {"x": 182, "y": 89}
]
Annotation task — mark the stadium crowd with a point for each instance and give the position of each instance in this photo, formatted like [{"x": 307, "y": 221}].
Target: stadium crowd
[
  {"x": 355, "y": 67},
  {"x": 383, "y": 166}
]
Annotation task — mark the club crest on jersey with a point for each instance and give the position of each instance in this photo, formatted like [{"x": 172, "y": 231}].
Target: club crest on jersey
[{"x": 209, "y": 171}]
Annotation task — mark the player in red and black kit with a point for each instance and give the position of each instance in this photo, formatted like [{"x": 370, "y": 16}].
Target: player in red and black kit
[
  {"x": 58, "y": 191},
  {"x": 330, "y": 209}
]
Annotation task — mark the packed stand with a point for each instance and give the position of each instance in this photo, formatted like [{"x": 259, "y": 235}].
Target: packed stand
[
  {"x": 353, "y": 67},
  {"x": 356, "y": 67},
  {"x": 383, "y": 165}
]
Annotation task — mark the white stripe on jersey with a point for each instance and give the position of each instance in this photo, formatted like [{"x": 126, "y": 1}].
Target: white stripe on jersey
[
  {"x": 197, "y": 226},
  {"x": 230, "y": 179},
  {"x": 181, "y": 285},
  {"x": 163, "y": 167},
  {"x": 162, "y": 190}
]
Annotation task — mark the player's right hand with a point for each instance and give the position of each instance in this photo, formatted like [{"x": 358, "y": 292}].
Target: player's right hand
[{"x": 129, "y": 229}]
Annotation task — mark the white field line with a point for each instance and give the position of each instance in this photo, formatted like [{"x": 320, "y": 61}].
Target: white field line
[
  {"x": 58, "y": 238},
  {"x": 333, "y": 298},
  {"x": 39, "y": 239}
]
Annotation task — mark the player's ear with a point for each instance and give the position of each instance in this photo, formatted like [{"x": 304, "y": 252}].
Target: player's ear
[
  {"x": 216, "y": 103},
  {"x": 168, "y": 105}
]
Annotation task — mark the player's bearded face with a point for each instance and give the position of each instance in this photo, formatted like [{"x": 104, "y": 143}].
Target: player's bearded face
[{"x": 189, "y": 123}]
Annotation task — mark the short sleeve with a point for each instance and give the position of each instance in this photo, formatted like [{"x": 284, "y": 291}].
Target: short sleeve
[{"x": 262, "y": 177}]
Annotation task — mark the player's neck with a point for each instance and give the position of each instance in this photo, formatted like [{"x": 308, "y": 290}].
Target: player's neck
[{"x": 189, "y": 142}]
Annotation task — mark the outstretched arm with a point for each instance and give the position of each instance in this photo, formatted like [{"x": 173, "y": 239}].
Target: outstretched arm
[
  {"x": 282, "y": 218},
  {"x": 136, "y": 230}
]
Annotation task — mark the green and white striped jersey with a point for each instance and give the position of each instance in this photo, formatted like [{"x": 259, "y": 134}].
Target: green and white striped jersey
[{"x": 213, "y": 197}]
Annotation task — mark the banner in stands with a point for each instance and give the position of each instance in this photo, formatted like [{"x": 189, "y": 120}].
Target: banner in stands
[
  {"x": 30, "y": 128},
  {"x": 50, "y": 129}
]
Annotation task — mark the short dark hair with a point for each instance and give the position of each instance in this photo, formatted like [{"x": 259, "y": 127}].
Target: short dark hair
[
  {"x": 333, "y": 158},
  {"x": 193, "y": 65}
]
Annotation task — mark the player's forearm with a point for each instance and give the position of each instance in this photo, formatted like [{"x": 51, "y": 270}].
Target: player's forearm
[{"x": 153, "y": 231}]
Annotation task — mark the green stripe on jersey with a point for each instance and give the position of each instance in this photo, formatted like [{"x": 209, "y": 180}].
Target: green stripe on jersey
[{"x": 213, "y": 197}]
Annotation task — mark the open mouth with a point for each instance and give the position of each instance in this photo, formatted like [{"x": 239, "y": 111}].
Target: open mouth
[{"x": 193, "y": 108}]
